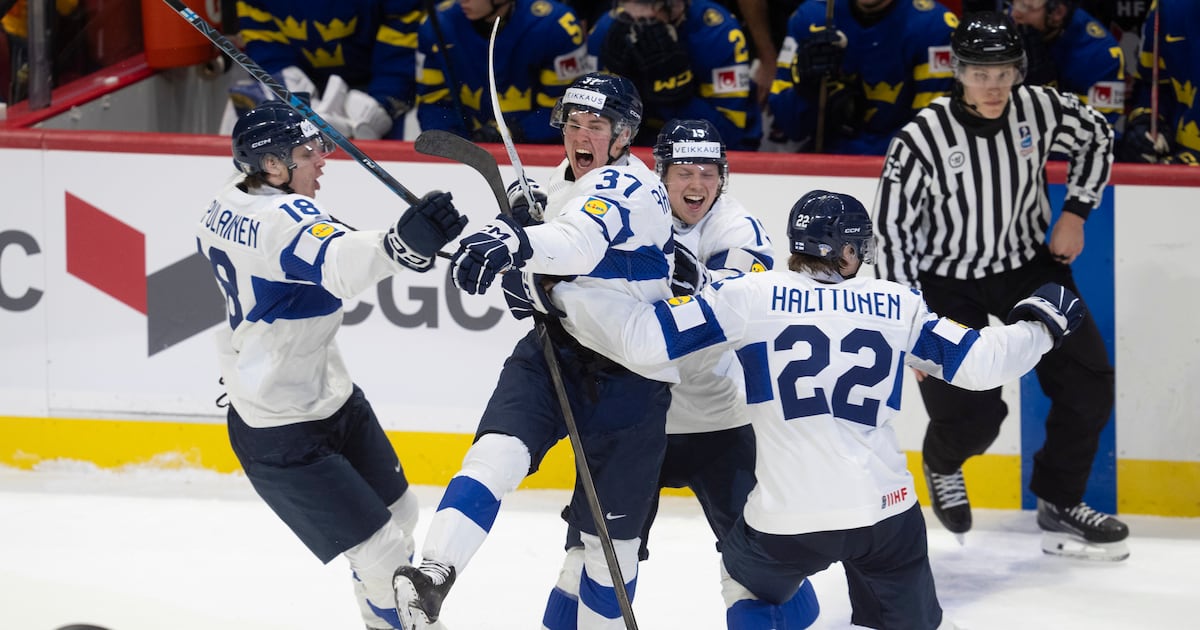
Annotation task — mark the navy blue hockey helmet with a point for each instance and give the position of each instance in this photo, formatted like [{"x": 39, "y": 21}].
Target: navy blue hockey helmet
[
  {"x": 690, "y": 142},
  {"x": 273, "y": 128},
  {"x": 822, "y": 223},
  {"x": 609, "y": 95},
  {"x": 987, "y": 38}
]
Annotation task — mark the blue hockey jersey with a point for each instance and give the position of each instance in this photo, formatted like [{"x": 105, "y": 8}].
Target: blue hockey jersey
[
  {"x": 720, "y": 59},
  {"x": 1178, "y": 74},
  {"x": 1086, "y": 60},
  {"x": 902, "y": 62},
  {"x": 371, "y": 44},
  {"x": 539, "y": 52}
]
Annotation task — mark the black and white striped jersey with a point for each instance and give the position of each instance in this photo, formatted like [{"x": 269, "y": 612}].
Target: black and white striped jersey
[{"x": 964, "y": 197}]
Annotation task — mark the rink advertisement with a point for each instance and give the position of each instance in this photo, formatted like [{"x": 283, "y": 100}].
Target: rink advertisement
[{"x": 109, "y": 311}]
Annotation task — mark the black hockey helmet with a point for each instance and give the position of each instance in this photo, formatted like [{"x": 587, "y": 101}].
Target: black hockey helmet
[
  {"x": 273, "y": 128},
  {"x": 822, "y": 223},
  {"x": 609, "y": 95},
  {"x": 690, "y": 142},
  {"x": 987, "y": 38}
]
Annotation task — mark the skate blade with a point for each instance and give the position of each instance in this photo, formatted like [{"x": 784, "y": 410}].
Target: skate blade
[
  {"x": 1069, "y": 546},
  {"x": 411, "y": 615}
]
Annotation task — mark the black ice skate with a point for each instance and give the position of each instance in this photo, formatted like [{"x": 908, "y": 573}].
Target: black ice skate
[
  {"x": 420, "y": 591},
  {"x": 1081, "y": 532},
  {"x": 948, "y": 495}
]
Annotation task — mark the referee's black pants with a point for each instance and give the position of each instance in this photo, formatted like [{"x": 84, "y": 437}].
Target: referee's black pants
[{"x": 1077, "y": 377}]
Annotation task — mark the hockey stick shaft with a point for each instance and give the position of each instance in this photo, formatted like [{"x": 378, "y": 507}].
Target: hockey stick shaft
[
  {"x": 1154, "y": 80},
  {"x": 501, "y": 125},
  {"x": 823, "y": 95},
  {"x": 292, "y": 100},
  {"x": 560, "y": 390}
]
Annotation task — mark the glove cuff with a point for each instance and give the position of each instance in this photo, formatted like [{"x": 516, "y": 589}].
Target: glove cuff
[{"x": 404, "y": 255}]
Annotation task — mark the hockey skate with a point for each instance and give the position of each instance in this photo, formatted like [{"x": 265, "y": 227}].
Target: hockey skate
[
  {"x": 948, "y": 495},
  {"x": 1081, "y": 532},
  {"x": 419, "y": 593}
]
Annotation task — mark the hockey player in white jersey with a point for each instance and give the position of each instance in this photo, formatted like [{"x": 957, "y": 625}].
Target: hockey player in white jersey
[
  {"x": 823, "y": 354},
  {"x": 305, "y": 435},
  {"x": 606, "y": 227},
  {"x": 710, "y": 444}
]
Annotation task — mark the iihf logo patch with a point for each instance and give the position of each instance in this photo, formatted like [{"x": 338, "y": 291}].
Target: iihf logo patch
[{"x": 1026, "y": 140}]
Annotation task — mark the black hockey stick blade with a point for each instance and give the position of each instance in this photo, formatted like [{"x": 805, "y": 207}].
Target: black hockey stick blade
[{"x": 443, "y": 144}]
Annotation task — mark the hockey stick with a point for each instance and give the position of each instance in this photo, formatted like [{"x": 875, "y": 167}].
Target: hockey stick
[
  {"x": 292, "y": 100},
  {"x": 1154, "y": 82},
  {"x": 431, "y": 10},
  {"x": 823, "y": 95},
  {"x": 442, "y": 143},
  {"x": 560, "y": 390},
  {"x": 502, "y": 126}
]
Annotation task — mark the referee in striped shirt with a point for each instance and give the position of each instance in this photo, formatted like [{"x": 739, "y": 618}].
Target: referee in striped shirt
[{"x": 962, "y": 213}]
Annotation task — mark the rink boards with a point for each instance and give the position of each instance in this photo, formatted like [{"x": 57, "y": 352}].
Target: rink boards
[{"x": 108, "y": 312}]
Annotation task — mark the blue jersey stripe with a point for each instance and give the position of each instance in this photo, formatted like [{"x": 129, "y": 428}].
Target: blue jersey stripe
[
  {"x": 757, "y": 370},
  {"x": 931, "y": 346},
  {"x": 288, "y": 300}
]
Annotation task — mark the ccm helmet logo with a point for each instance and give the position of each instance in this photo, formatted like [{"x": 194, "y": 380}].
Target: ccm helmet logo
[
  {"x": 853, "y": 230},
  {"x": 255, "y": 145}
]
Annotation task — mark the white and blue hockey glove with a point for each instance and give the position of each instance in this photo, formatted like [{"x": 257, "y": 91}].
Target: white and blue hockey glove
[
  {"x": 501, "y": 245},
  {"x": 690, "y": 274},
  {"x": 524, "y": 214},
  {"x": 1053, "y": 305},
  {"x": 526, "y": 295},
  {"x": 422, "y": 230}
]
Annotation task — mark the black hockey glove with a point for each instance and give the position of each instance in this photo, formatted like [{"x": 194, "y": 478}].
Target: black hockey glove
[
  {"x": 1136, "y": 144},
  {"x": 1053, "y": 305},
  {"x": 690, "y": 274},
  {"x": 663, "y": 64},
  {"x": 522, "y": 212},
  {"x": 617, "y": 52},
  {"x": 486, "y": 133},
  {"x": 818, "y": 56},
  {"x": 422, "y": 230},
  {"x": 845, "y": 108},
  {"x": 500, "y": 246},
  {"x": 525, "y": 294}
]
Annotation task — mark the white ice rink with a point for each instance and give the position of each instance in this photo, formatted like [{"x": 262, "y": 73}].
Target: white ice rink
[{"x": 193, "y": 550}]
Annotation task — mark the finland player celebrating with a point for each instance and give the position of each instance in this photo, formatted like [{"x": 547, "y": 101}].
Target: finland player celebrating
[
  {"x": 303, "y": 431},
  {"x": 963, "y": 213},
  {"x": 710, "y": 445},
  {"x": 607, "y": 224},
  {"x": 822, "y": 353}
]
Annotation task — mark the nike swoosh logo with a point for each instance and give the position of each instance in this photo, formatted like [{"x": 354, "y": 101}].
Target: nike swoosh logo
[
  {"x": 612, "y": 517},
  {"x": 815, "y": 28},
  {"x": 1171, "y": 39}
]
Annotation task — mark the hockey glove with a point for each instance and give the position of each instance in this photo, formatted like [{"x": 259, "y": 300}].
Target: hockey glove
[
  {"x": 1053, "y": 305},
  {"x": 368, "y": 119},
  {"x": 819, "y": 56},
  {"x": 616, "y": 54},
  {"x": 1136, "y": 143},
  {"x": 663, "y": 64},
  {"x": 524, "y": 214},
  {"x": 690, "y": 274},
  {"x": 501, "y": 245},
  {"x": 845, "y": 108},
  {"x": 526, "y": 294},
  {"x": 422, "y": 230}
]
